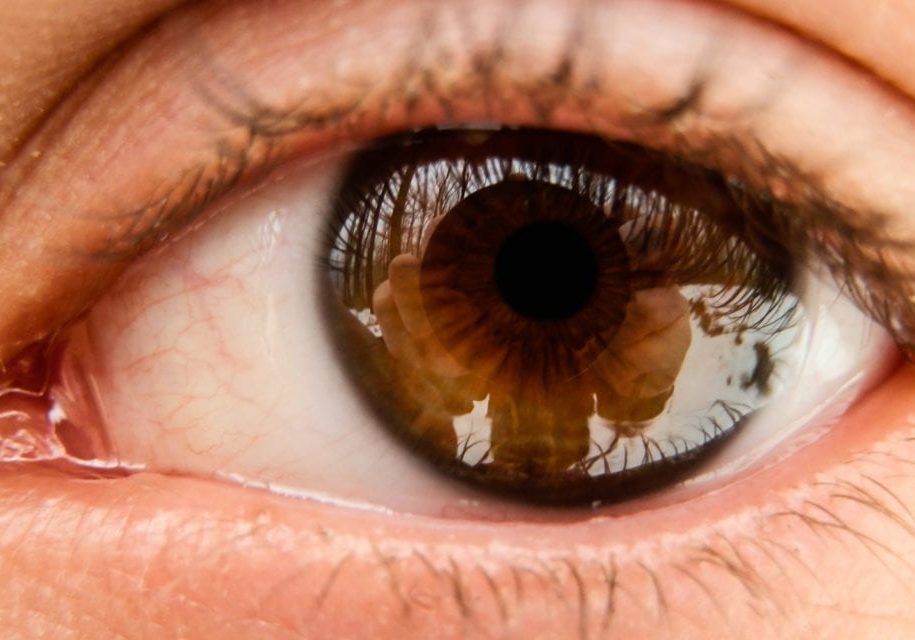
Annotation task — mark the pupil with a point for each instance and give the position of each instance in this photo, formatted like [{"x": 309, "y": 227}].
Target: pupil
[{"x": 546, "y": 271}]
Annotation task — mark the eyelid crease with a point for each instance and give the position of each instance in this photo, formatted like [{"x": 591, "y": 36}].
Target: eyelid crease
[
  {"x": 257, "y": 136},
  {"x": 865, "y": 46}
]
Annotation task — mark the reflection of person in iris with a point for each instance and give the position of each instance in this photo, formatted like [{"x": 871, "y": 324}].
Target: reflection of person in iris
[
  {"x": 537, "y": 426},
  {"x": 521, "y": 296},
  {"x": 818, "y": 546}
]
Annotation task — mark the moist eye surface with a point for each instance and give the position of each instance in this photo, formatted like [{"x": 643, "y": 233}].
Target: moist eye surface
[{"x": 553, "y": 316}]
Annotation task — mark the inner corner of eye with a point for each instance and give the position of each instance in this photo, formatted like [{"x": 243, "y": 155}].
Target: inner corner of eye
[
  {"x": 561, "y": 319},
  {"x": 548, "y": 317}
]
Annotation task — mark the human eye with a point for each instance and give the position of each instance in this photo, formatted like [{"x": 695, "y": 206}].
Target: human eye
[{"x": 253, "y": 89}]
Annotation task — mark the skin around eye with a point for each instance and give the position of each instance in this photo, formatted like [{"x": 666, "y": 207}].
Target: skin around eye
[
  {"x": 41, "y": 35},
  {"x": 823, "y": 546}
]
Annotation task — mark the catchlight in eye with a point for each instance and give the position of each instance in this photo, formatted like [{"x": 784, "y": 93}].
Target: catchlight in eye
[{"x": 552, "y": 316}]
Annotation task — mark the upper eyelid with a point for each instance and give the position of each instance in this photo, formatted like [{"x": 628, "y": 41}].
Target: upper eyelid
[{"x": 236, "y": 152}]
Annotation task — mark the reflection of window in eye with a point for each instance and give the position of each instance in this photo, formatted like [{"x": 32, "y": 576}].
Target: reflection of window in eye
[{"x": 733, "y": 555}]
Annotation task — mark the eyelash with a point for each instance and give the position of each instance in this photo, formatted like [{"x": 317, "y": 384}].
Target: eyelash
[
  {"x": 810, "y": 227},
  {"x": 806, "y": 224},
  {"x": 616, "y": 177}
]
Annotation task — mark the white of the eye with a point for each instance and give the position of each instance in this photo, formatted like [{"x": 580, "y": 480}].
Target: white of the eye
[
  {"x": 839, "y": 354},
  {"x": 210, "y": 358}
]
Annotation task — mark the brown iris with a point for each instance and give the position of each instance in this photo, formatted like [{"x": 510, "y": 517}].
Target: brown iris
[
  {"x": 522, "y": 277},
  {"x": 525, "y": 284},
  {"x": 518, "y": 307}
]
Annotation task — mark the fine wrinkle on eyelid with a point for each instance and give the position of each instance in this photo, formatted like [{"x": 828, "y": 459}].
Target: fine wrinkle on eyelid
[
  {"x": 874, "y": 34},
  {"x": 44, "y": 41}
]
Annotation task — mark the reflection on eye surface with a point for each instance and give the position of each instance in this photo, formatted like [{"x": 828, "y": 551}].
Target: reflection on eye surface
[
  {"x": 211, "y": 357},
  {"x": 531, "y": 303}
]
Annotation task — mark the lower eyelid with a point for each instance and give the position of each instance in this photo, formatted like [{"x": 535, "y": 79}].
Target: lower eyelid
[{"x": 214, "y": 557}]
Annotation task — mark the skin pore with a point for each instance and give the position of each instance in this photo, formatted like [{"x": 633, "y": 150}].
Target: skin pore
[{"x": 822, "y": 545}]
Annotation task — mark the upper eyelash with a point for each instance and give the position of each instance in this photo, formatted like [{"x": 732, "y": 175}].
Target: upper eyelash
[
  {"x": 692, "y": 243},
  {"x": 854, "y": 245}
]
